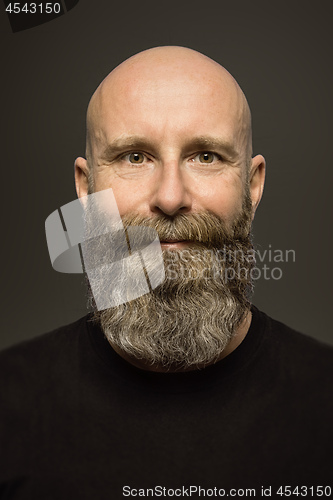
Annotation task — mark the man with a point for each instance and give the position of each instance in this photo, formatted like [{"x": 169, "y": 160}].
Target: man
[{"x": 187, "y": 390}]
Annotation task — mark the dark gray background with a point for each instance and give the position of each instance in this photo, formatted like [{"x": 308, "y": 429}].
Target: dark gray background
[{"x": 282, "y": 57}]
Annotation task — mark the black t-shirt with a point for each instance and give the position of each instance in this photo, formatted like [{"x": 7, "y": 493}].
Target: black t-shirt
[{"x": 79, "y": 422}]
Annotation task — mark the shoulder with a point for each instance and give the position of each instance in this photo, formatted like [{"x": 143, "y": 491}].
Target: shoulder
[
  {"x": 300, "y": 360},
  {"x": 296, "y": 343},
  {"x": 47, "y": 344},
  {"x": 31, "y": 367}
]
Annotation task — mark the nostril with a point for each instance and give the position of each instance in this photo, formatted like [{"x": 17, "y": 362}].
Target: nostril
[{"x": 171, "y": 212}]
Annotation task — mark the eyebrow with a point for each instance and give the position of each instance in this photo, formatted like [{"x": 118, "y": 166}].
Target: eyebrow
[
  {"x": 121, "y": 144},
  {"x": 214, "y": 143},
  {"x": 202, "y": 143}
]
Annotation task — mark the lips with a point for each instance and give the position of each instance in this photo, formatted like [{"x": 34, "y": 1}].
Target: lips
[
  {"x": 175, "y": 243},
  {"x": 172, "y": 241}
]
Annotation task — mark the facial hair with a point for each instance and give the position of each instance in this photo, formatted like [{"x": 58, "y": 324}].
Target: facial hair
[{"x": 189, "y": 319}]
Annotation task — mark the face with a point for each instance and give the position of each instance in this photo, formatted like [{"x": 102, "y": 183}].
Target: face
[
  {"x": 169, "y": 148},
  {"x": 173, "y": 146}
]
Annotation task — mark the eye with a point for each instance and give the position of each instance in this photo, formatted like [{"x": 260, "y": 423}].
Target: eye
[
  {"x": 207, "y": 157},
  {"x": 136, "y": 158}
]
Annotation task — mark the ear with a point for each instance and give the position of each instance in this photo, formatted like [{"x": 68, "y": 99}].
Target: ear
[
  {"x": 257, "y": 180},
  {"x": 81, "y": 176}
]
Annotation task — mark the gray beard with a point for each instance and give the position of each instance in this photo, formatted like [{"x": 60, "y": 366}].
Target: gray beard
[{"x": 189, "y": 319}]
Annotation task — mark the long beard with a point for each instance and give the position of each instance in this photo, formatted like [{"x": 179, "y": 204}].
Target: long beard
[{"x": 188, "y": 320}]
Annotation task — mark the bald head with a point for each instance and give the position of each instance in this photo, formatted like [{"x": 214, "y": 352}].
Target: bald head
[
  {"x": 167, "y": 75},
  {"x": 169, "y": 130}
]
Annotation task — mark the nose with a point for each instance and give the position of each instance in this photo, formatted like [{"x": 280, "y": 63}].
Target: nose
[{"x": 171, "y": 195}]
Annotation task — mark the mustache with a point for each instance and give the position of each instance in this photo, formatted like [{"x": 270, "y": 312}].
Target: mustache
[{"x": 204, "y": 228}]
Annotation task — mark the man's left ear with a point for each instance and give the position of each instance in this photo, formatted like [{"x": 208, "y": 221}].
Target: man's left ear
[{"x": 257, "y": 180}]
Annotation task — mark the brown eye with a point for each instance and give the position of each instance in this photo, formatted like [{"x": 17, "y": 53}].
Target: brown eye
[
  {"x": 206, "y": 157},
  {"x": 136, "y": 158}
]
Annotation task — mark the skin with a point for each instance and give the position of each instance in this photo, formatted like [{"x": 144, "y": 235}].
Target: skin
[{"x": 169, "y": 130}]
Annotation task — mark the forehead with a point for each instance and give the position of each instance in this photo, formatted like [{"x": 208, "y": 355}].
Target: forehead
[{"x": 168, "y": 106}]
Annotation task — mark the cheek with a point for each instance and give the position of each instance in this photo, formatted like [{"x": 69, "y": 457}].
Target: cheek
[
  {"x": 130, "y": 197},
  {"x": 223, "y": 197}
]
